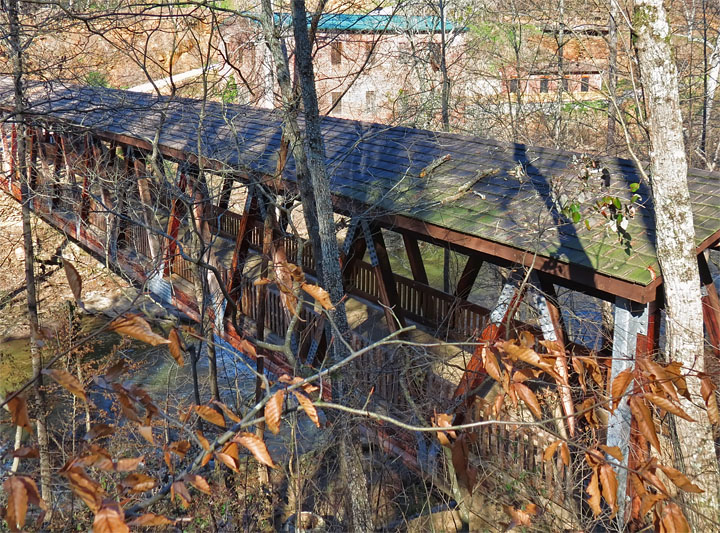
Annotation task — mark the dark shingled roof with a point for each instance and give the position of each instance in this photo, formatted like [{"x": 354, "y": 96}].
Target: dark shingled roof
[{"x": 509, "y": 194}]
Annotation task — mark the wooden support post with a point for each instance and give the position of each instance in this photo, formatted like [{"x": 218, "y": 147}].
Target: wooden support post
[
  {"x": 551, "y": 319},
  {"x": 143, "y": 185},
  {"x": 417, "y": 266},
  {"x": 69, "y": 157},
  {"x": 242, "y": 244},
  {"x": 386, "y": 281},
  {"x": 546, "y": 303},
  {"x": 174, "y": 224},
  {"x": 474, "y": 375},
  {"x": 57, "y": 170},
  {"x": 226, "y": 192},
  {"x": 468, "y": 277},
  {"x": 6, "y": 153},
  {"x": 32, "y": 151},
  {"x": 353, "y": 250},
  {"x": 464, "y": 286},
  {"x": 13, "y": 152},
  {"x": 631, "y": 320},
  {"x": 711, "y": 304}
]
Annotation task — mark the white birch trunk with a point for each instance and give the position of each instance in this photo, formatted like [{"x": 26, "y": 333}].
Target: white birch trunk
[{"x": 676, "y": 247}]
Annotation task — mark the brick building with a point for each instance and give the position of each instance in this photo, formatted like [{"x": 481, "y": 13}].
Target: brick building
[{"x": 367, "y": 67}]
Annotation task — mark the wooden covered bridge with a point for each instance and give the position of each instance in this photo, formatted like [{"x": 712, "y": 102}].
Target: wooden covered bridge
[{"x": 117, "y": 171}]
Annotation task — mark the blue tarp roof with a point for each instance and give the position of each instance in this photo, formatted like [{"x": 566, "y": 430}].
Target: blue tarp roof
[{"x": 343, "y": 22}]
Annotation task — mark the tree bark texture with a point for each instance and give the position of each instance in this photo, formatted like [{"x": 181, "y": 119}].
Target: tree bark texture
[
  {"x": 676, "y": 248},
  {"x": 14, "y": 38},
  {"x": 291, "y": 132}
]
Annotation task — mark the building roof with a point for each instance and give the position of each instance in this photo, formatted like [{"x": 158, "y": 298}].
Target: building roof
[
  {"x": 510, "y": 201},
  {"x": 373, "y": 23}
]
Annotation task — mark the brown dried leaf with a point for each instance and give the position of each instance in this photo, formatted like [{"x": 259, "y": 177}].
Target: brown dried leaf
[
  {"x": 707, "y": 389},
  {"x": 520, "y": 517},
  {"x": 19, "y": 413},
  {"x": 232, "y": 449},
  {"x": 593, "y": 490},
  {"x": 528, "y": 396},
  {"x": 648, "y": 501},
  {"x": 228, "y": 461},
  {"x": 491, "y": 364},
  {"x": 667, "y": 405},
  {"x": 110, "y": 519},
  {"x": 150, "y": 520},
  {"x": 74, "y": 279},
  {"x": 261, "y": 281},
  {"x": 198, "y": 482},
  {"x": 444, "y": 420},
  {"x": 674, "y": 370},
  {"x": 113, "y": 372},
  {"x": 68, "y": 381},
  {"x": 96, "y": 457},
  {"x": 176, "y": 346},
  {"x": 273, "y": 411},
  {"x": 17, "y": 503},
  {"x": 595, "y": 371},
  {"x": 180, "y": 448},
  {"x": 26, "y": 452},
  {"x": 609, "y": 484},
  {"x": 146, "y": 432},
  {"x": 680, "y": 480},
  {"x": 203, "y": 441},
  {"x": 129, "y": 464},
  {"x": 587, "y": 408},
  {"x": 612, "y": 451},
  {"x": 645, "y": 422},
  {"x": 256, "y": 446},
  {"x": 619, "y": 386},
  {"x": 179, "y": 489},
  {"x": 99, "y": 430},
  {"x": 637, "y": 484},
  {"x": 138, "y": 483},
  {"x": 308, "y": 407},
  {"x": 319, "y": 294},
  {"x": 661, "y": 376},
  {"x": 527, "y": 355},
  {"x": 672, "y": 520},
  {"x": 307, "y": 387},
  {"x": 247, "y": 348},
  {"x": 523, "y": 375},
  {"x": 498, "y": 403},
  {"x": 580, "y": 371},
  {"x": 85, "y": 488},
  {"x": 565, "y": 453},
  {"x": 126, "y": 405},
  {"x": 550, "y": 450},
  {"x": 211, "y": 415},
  {"x": 136, "y": 327},
  {"x": 228, "y": 412}
]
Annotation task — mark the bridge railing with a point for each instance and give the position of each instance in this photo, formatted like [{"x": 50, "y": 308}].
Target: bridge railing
[{"x": 420, "y": 302}]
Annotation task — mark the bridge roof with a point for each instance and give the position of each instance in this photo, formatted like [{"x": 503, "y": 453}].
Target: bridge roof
[{"x": 511, "y": 202}]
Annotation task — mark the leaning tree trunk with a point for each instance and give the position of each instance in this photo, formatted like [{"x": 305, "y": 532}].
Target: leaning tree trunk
[
  {"x": 14, "y": 38},
  {"x": 676, "y": 247},
  {"x": 350, "y": 453}
]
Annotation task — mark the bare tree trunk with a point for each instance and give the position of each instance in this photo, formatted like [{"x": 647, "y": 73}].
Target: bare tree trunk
[
  {"x": 21, "y": 165},
  {"x": 612, "y": 77},
  {"x": 291, "y": 132},
  {"x": 676, "y": 246}
]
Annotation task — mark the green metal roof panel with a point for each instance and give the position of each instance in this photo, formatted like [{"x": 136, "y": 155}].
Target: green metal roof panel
[{"x": 373, "y": 23}]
